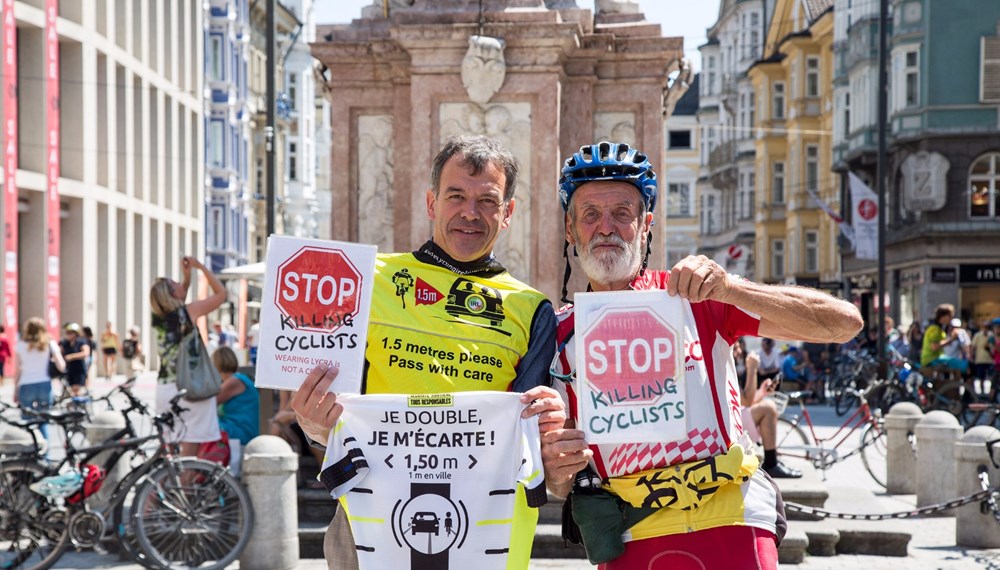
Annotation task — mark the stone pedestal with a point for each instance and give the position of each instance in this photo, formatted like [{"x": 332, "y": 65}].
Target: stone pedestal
[
  {"x": 901, "y": 461},
  {"x": 269, "y": 468},
  {"x": 936, "y": 433},
  {"x": 973, "y": 528}
]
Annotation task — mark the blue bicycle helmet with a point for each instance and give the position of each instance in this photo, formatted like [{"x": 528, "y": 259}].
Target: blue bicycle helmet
[{"x": 608, "y": 161}]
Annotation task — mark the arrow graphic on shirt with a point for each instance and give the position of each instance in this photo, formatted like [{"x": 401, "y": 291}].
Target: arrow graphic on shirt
[
  {"x": 473, "y": 461},
  {"x": 387, "y": 461}
]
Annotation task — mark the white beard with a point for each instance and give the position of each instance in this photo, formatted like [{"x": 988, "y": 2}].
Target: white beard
[{"x": 611, "y": 266}]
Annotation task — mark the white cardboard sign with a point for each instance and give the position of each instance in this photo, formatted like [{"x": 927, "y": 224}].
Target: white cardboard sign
[
  {"x": 314, "y": 309},
  {"x": 630, "y": 366}
]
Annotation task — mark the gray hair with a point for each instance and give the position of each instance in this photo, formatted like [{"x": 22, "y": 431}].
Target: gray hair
[{"x": 476, "y": 153}]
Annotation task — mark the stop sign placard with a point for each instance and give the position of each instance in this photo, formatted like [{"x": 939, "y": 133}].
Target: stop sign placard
[
  {"x": 630, "y": 375},
  {"x": 314, "y": 310},
  {"x": 629, "y": 350},
  {"x": 318, "y": 289}
]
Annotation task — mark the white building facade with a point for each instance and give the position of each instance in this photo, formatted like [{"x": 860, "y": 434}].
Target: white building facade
[{"x": 129, "y": 163}]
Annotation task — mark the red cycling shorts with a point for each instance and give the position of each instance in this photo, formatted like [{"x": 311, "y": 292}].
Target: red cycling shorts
[{"x": 729, "y": 547}]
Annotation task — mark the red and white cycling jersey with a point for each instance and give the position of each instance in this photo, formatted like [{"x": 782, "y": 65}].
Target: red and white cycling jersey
[{"x": 713, "y": 397}]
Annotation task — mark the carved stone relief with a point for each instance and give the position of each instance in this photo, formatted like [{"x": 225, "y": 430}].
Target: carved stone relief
[
  {"x": 484, "y": 68},
  {"x": 375, "y": 159},
  {"x": 510, "y": 123},
  {"x": 615, "y": 127},
  {"x": 925, "y": 184}
]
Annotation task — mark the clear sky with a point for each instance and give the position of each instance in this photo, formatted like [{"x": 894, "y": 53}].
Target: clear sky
[{"x": 686, "y": 18}]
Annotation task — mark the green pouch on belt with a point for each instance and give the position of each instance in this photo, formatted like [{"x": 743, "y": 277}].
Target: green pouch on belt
[{"x": 602, "y": 519}]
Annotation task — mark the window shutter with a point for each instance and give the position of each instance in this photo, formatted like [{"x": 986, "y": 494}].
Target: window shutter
[{"x": 989, "y": 72}]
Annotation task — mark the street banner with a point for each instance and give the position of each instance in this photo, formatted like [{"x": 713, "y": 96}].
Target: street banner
[
  {"x": 845, "y": 230},
  {"x": 630, "y": 366},
  {"x": 314, "y": 309},
  {"x": 429, "y": 479},
  {"x": 864, "y": 206},
  {"x": 8, "y": 82},
  {"x": 52, "y": 167}
]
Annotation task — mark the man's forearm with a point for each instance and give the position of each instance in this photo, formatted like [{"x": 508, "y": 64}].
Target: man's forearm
[{"x": 797, "y": 313}]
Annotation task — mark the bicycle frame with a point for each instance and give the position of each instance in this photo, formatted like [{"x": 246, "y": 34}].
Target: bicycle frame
[{"x": 859, "y": 419}]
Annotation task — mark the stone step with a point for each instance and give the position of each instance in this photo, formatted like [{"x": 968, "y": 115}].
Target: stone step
[
  {"x": 809, "y": 490},
  {"x": 311, "y": 540},
  {"x": 315, "y": 506},
  {"x": 872, "y": 538},
  {"x": 551, "y": 512},
  {"x": 792, "y": 549},
  {"x": 549, "y": 543}
]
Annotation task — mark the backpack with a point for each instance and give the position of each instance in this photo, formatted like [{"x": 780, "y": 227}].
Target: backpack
[{"x": 128, "y": 348}]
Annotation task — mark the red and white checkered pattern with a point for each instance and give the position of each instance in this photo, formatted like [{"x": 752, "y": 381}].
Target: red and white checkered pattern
[{"x": 635, "y": 457}]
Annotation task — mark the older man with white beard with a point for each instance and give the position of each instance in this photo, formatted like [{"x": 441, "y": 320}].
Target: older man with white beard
[{"x": 731, "y": 515}]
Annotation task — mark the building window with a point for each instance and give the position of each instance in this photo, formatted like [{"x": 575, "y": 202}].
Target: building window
[
  {"x": 293, "y": 81},
  {"x": 777, "y": 258},
  {"x": 750, "y": 112},
  {"x": 678, "y": 139},
  {"x": 710, "y": 84},
  {"x": 216, "y": 144},
  {"x": 778, "y": 112},
  {"x": 678, "y": 200},
  {"x": 293, "y": 160},
  {"x": 812, "y": 168},
  {"x": 984, "y": 187},
  {"x": 847, "y": 115},
  {"x": 812, "y": 251},
  {"x": 216, "y": 61},
  {"x": 812, "y": 76},
  {"x": 217, "y": 227},
  {"x": 912, "y": 75},
  {"x": 778, "y": 183},
  {"x": 674, "y": 256}
]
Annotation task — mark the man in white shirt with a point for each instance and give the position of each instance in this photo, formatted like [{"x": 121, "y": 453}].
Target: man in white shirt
[{"x": 770, "y": 360}]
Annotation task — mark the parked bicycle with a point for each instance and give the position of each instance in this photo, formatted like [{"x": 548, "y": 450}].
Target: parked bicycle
[
  {"x": 792, "y": 440},
  {"x": 167, "y": 512}
]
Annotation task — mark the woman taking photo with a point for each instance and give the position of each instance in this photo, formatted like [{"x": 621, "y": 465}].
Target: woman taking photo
[
  {"x": 172, "y": 319},
  {"x": 32, "y": 384}
]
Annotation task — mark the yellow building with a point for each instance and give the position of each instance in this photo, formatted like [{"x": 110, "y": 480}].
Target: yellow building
[{"x": 796, "y": 242}]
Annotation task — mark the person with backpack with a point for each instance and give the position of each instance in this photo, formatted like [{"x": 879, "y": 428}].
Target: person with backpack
[{"x": 132, "y": 353}]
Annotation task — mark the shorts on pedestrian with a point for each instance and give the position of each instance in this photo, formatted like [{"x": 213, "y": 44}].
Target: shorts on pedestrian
[
  {"x": 737, "y": 547},
  {"x": 76, "y": 379}
]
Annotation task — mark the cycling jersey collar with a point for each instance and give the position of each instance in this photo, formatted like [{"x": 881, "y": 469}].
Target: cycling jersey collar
[{"x": 432, "y": 254}]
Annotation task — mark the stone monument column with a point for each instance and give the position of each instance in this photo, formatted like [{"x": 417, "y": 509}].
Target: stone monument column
[{"x": 537, "y": 75}]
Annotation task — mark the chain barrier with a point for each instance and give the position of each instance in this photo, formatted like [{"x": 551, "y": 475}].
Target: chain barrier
[{"x": 988, "y": 493}]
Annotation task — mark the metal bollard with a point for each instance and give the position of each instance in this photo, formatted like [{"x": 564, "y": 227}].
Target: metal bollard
[
  {"x": 973, "y": 527},
  {"x": 901, "y": 462},
  {"x": 936, "y": 433},
  {"x": 269, "y": 468},
  {"x": 102, "y": 426}
]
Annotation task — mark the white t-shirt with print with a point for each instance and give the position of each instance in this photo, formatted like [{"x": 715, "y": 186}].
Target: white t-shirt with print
[{"x": 429, "y": 480}]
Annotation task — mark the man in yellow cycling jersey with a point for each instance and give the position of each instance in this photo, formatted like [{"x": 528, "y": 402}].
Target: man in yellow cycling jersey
[
  {"x": 448, "y": 317},
  {"x": 700, "y": 501}
]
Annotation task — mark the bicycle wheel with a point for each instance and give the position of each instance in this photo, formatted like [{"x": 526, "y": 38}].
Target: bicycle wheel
[
  {"x": 124, "y": 525},
  {"x": 845, "y": 399},
  {"x": 791, "y": 437},
  {"x": 190, "y": 513},
  {"x": 948, "y": 398},
  {"x": 873, "y": 452},
  {"x": 33, "y": 534}
]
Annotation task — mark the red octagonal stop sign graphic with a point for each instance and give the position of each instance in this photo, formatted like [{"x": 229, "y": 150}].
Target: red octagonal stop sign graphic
[
  {"x": 628, "y": 349},
  {"x": 318, "y": 289}
]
